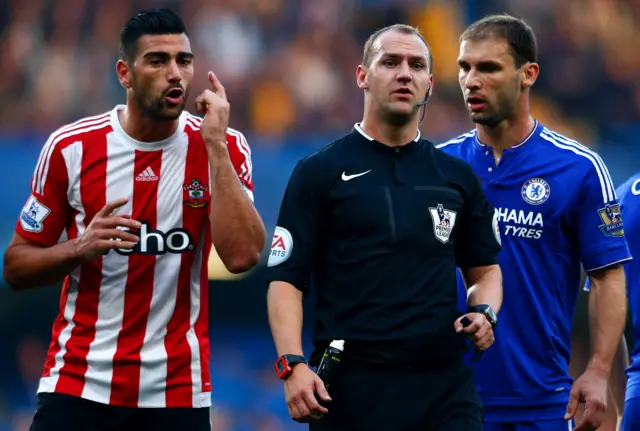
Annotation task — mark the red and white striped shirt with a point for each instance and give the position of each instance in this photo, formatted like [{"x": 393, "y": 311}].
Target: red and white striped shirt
[{"x": 133, "y": 326}]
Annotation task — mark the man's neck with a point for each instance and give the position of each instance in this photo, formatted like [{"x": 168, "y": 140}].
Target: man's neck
[
  {"x": 144, "y": 128},
  {"x": 389, "y": 134},
  {"x": 507, "y": 134}
]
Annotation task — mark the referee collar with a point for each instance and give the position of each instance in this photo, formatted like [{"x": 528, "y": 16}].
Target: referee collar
[{"x": 407, "y": 147}]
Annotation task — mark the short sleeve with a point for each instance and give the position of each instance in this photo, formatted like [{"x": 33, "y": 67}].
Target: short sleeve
[
  {"x": 240, "y": 154},
  {"x": 478, "y": 238},
  {"x": 46, "y": 212},
  {"x": 295, "y": 236},
  {"x": 599, "y": 222}
]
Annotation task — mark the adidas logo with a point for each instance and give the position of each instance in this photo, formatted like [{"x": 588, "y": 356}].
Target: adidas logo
[{"x": 147, "y": 175}]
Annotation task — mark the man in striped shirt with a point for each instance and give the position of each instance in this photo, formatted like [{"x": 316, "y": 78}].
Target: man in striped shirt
[
  {"x": 140, "y": 193},
  {"x": 557, "y": 210}
]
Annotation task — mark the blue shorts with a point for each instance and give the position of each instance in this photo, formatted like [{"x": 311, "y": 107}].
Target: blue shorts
[
  {"x": 546, "y": 425},
  {"x": 631, "y": 418}
]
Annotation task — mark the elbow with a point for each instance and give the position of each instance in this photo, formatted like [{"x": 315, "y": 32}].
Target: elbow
[
  {"x": 242, "y": 262},
  {"x": 9, "y": 275}
]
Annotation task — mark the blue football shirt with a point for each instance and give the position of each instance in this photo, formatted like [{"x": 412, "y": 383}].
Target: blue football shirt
[
  {"x": 629, "y": 195},
  {"x": 557, "y": 210}
]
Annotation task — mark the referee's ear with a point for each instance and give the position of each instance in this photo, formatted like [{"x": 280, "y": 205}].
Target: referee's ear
[{"x": 361, "y": 77}]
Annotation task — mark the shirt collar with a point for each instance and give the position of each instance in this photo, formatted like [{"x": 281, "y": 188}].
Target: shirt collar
[
  {"x": 534, "y": 131},
  {"x": 358, "y": 127}
]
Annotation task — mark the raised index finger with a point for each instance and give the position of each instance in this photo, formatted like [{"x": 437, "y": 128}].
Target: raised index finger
[{"x": 216, "y": 86}]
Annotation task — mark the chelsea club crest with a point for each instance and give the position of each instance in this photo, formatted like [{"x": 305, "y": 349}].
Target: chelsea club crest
[{"x": 535, "y": 191}]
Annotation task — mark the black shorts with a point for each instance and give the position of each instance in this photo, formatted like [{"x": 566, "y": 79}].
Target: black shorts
[
  {"x": 60, "y": 412},
  {"x": 436, "y": 399}
]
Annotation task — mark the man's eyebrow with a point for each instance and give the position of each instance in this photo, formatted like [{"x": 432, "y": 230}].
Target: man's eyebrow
[{"x": 164, "y": 54}]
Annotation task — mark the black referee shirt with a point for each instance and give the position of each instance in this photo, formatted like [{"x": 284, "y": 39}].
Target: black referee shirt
[{"x": 378, "y": 232}]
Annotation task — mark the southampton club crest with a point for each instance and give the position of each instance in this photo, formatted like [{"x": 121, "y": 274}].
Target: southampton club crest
[
  {"x": 443, "y": 222},
  {"x": 196, "y": 194}
]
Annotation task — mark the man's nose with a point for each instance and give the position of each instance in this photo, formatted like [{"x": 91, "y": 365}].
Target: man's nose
[
  {"x": 173, "y": 72},
  {"x": 404, "y": 73},
  {"x": 471, "y": 81}
]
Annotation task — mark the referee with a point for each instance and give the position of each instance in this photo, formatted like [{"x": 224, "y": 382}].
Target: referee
[{"x": 376, "y": 222}]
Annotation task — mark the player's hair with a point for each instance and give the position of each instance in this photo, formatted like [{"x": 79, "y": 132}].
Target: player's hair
[
  {"x": 521, "y": 38},
  {"x": 369, "y": 50},
  {"x": 151, "y": 21}
]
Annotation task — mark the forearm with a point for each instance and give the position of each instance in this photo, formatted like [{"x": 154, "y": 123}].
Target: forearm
[
  {"x": 284, "y": 305},
  {"x": 618, "y": 380},
  {"x": 27, "y": 266},
  {"x": 237, "y": 231},
  {"x": 607, "y": 317},
  {"x": 486, "y": 288}
]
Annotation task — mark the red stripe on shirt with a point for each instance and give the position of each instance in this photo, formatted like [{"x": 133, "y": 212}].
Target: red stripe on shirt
[
  {"x": 125, "y": 384},
  {"x": 93, "y": 183},
  {"x": 179, "y": 358}
]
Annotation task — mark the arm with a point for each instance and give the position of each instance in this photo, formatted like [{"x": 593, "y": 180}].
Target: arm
[
  {"x": 477, "y": 247},
  {"x": 290, "y": 261},
  {"x": 237, "y": 231},
  {"x": 34, "y": 258},
  {"x": 603, "y": 248},
  {"x": 300, "y": 223},
  {"x": 607, "y": 316},
  {"x": 28, "y": 265},
  {"x": 618, "y": 381},
  {"x": 486, "y": 286},
  {"x": 284, "y": 305}
]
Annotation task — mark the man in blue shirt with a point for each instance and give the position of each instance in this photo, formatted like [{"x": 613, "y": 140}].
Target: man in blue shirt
[
  {"x": 629, "y": 194},
  {"x": 557, "y": 209}
]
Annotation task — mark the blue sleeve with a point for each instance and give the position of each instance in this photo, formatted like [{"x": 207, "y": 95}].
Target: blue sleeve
[{"x": 600, "y": 226}]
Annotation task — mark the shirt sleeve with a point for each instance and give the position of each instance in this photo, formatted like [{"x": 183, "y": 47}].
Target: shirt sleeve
[
  {"x": 46, "y": 212},
  {"x": 295, "y": 236},
  {"x": 600, "y": 229},
  {"x": 240, "y": 154},
  {"x": 478, "y": 238}
]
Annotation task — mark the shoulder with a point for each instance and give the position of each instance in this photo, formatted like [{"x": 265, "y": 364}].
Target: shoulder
[
  {"x": 80, "y": 130},
  {"x": 571, "y": 150},
  {"x": 235, "y": 138},
  {"x": 455, "y": 145},
  {"x": 328, "y": 156},
  {"x": 450, "y": 161},
  {"x": 579, "y": 162},
  {"x": 631, "y": 187}
]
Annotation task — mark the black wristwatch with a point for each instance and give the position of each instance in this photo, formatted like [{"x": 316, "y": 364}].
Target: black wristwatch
[
  {"x": 285, "y": 363},
  {"x": 487, "y": 311}
]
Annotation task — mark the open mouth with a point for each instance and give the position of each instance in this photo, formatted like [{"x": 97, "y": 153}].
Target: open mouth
[
  {"x": 475, "y": 102},
  {"x": 403, "y": 91},
  {"x": 174, "y": 96}
]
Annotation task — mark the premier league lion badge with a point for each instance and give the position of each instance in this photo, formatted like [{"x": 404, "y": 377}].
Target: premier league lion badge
[{"x": 443, "y": 222}]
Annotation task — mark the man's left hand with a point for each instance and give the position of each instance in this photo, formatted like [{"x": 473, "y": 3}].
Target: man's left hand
[
  {"x": 591, "y": 389},
  {"x": 479, "y": 331},
  {"x": 215, "y": 107}
]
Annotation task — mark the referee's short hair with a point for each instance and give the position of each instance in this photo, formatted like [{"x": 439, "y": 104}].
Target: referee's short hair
[
  {"x": 518, "y": 34},
  {"x": 369, "y": 50}
]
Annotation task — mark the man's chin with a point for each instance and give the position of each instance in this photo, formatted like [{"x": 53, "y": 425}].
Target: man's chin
[
  {"x": 483, "y": 119},
  {"x": 170, "y": 112}
]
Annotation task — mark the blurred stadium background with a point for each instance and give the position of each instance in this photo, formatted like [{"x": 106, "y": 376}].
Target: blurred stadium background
[{"x": 289, "y": 70}]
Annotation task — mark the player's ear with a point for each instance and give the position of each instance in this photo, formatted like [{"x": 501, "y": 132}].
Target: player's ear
[
  {"x": 529, "y": 74},
  {"x": 124, "y": 73},
  {"x": 361, "y": 77}
]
